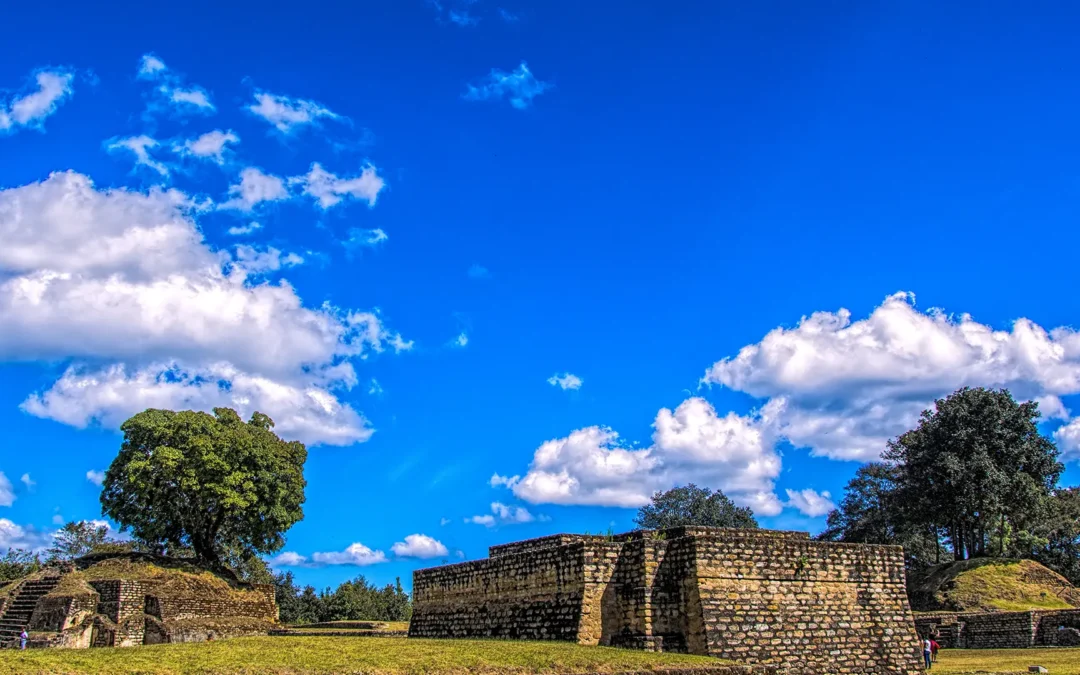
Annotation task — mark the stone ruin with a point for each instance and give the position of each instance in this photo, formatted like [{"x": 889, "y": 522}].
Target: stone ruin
[
  {"x": 122, "y": 601},
  {"x": 751, "y": 596},
  {"x": 1002, "y": 630}
]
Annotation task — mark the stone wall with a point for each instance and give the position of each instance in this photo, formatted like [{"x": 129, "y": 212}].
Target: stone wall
[
  {"x": 754, "y": 596},
  {"x": 1002, "y": 630}
]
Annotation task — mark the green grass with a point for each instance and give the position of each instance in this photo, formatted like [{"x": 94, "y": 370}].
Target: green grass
[
  {"x": 309, "y": 655},
  {"x": 1059, "y": 661},
  {"x": 354, "y": 625},
  {"x": 988, "y": 584}
]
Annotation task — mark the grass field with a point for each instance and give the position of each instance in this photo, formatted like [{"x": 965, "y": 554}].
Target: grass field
[
  {"x": 304, "y": 655},
  {"x": 1059, "y": 661}
]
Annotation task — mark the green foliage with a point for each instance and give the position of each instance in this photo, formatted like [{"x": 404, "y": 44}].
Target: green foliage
[
  {"x": 974, "y": 461},
  {"x": 80, "y": 538},
  {"x": 211, "y": 483},
  {"x": 355, "y": 600},
  {"x": 17, "y": 563},
  {"x": 975, "y": 476},
  {"x": 691, "y": 505}
]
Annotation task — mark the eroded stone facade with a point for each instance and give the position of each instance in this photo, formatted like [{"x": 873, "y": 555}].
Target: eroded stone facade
[
  {"x": 753, "y": 596},
  {"x": 1002, "y": 630}
]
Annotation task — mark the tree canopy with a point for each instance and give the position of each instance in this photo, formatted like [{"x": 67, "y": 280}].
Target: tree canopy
[
  {"x": 974, "y": 478},
  {"x": 213, "y": 484},
  {"x": 355, "y": 600},
  {"x": 76, "y": 539},
  {"x": 692, "y": 505}
]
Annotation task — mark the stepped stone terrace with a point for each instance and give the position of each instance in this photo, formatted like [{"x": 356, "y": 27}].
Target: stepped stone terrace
[{"x": 752, "y": 596}]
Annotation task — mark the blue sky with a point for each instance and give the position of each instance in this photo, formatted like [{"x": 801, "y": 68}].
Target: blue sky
[{"x": 508, "y": 267}]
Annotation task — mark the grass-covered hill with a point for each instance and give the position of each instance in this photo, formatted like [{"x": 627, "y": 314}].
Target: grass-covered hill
[{"x": 990, "y": 585}]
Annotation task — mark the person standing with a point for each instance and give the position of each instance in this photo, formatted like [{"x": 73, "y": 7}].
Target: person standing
[
  {"x": 926, "y": 652},
  {"x": 23, "y": 637},
  {"x": 934, "y": 647}
]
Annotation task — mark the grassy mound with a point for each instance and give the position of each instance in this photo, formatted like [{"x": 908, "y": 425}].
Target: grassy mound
[
  {"x": 991, "y": 585},
  {"x": 373, "y": 656}
]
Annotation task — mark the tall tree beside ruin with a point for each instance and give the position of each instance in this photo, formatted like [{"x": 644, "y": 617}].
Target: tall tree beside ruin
[
  {"x": 211, "y": 483},
  {"x": 974, "y": 463},
  {"x": 692, "y": 505}
]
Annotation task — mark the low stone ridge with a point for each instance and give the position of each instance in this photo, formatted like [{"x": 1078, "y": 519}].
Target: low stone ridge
[
  {"x": 763, "y": 597},
  {"x": 130, "y": 600},
  {"x": 1002, "y": 630}
]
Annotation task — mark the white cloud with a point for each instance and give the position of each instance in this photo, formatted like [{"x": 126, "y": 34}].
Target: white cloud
[
  {"x": 1068, "y": 439},
  {"x": 7, "y": 492},
  {"x": 57, "y": 519},
  {"x": 288, "y": 114},
  {"x": 30, "y": 110},
  {"x": 250, "y": 228},
  {"x": 194, "y": 97},
  {"x": 139, "y": 146},
  {"x": 444, "y": 521},
  {"x": 565, "y": 381},
  {"x": 504, "y": 515},
  {"x": 843, "y": 388},
  {"x": 123, "y": 283},
  {"x": 255, "y": 187},
  {"x": 519, "y": 87},
  {"x": 460, "y": 341},
  {"x": 17, "y": 536},
  {"x": 150, "y": 66},
  {"x": 289, "y": 559},
  {"x": 690, "y": 444},
  {"x": 359, "y": 237},
  {"x": 508, "y": 17},
  {"x": 329, "y": 190},
  {"x": 211, "y": 145},
  {"x": 374, "y": 388},
  {"x": 170, "y": 92},
  {"x": 95, "y": 477},
  {"x": 419, "y": 546},
  {"x": 356, "y": 554},
  {"x": 27, "y": 481},
  {"x": 810, "y": 502}
]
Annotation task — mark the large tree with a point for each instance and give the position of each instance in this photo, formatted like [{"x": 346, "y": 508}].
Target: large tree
[
  {"x": 975, "y": 463},
  {"x": 692, "y": 505},
  {"x": 211, "y": 483},
  {"x": 79, "y": 538}
]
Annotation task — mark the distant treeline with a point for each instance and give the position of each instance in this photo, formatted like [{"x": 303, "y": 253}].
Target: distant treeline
[{"x": 355, "y": 600}]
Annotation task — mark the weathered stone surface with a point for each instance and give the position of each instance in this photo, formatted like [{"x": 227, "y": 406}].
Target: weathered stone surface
[
  {"x": 1002, "y": 630},
  {"x": 753, "y": 596}
]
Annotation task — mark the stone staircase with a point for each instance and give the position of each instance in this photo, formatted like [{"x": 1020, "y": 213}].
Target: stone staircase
[{"x": 17, "y": 615}]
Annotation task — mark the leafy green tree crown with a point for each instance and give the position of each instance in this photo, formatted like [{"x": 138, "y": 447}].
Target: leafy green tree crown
[
  {"x": 692, "y": 505},
  {"x": 210, "y": 483}
]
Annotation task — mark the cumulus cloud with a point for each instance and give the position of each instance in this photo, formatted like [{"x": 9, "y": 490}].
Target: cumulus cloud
[
  {"x": 53, "y": 87},
  {"x": 140, "y": 147},
  {"x": 690, "y": 444},
  {"x": 460, "y": 341},
  {"x": 250, "y": 228},
  {"x": 170, "y": 92},
  {"x": 254, "y": 188},
  {"x": 519, "y": 87},
  {"x": 565, "y": 381},
  {"x": 7, "y": 492},
  {"x": 211, "y": 145},
  {"x": 95, "y": 477},
  {"x": 842, "y": 388},
  {"x": 1068, "y": 439},
  {"x": 25, "y": 479},
  {"x": 501, "y": 514},
  {"x": 329, "y": 190},
  {"x": 356, "y": 555},
  {"x": 17, "y": 536},
  {"x": 123, "y": 283},
  {"x": 810, "y": 502},
  {"x": 288, "y": 114},
  {"x": 419, "y": 546}
]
